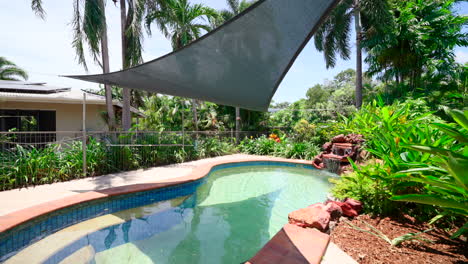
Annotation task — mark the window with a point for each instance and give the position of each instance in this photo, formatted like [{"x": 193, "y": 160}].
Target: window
[{"x": 29, "y": 121}]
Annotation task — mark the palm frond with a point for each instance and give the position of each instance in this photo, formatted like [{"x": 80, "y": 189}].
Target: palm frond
[
  {"x": 94, "y": 22},
  {"x": 78, "y": 36},
  {"x": 244, "y": 4},
  {"x": 178, "y": 20},
  {"x": 12, "y": 73},
  {"x": 9, "y": 71},
  {"x": 333, "y": 36},
  {"x": 36, "y": 6},
  {"x": 134, "y": 32},
  {"x": 234, "y": 6}
]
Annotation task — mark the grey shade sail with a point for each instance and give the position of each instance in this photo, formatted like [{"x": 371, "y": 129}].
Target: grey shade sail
[{"x": 241, "y": 63}]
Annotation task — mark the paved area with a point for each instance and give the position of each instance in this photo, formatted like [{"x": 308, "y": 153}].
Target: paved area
[
  {"x": 18, "y": 199},
  {"x": 334, "y": 255}
]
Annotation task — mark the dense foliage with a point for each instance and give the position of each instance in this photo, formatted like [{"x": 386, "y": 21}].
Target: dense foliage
[
  {"x": 27, "y": 166},
  {"x": 418, "y": 158},
  {"x": 279, "y": 146}
]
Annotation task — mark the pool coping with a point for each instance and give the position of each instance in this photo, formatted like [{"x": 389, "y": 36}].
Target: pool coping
[{"x": 14, "y": 219}]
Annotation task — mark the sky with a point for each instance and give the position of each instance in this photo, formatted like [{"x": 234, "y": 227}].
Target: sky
[{"x": 43, "y": 47}]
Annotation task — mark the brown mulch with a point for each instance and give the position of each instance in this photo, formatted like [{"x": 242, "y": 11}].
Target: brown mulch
[{"x": 367, "y": 248}]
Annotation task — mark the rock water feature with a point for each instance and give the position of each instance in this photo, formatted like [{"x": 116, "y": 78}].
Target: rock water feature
[{"x": 335, "y": 154}]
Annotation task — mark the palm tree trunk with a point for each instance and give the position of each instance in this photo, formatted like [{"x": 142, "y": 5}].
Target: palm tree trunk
[
  {"x": 105, "y": 69},
  {"x": 126, "y": 93},
  {"x": 238, "y": 119},
  {"x": 357, "y": 23}
]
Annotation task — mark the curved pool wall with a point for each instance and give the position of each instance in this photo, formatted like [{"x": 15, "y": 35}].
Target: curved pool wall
[{"x": 19, "y": 237}]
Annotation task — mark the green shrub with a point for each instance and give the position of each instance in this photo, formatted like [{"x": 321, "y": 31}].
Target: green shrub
[
  {"x": 445, "y": 178},
  {"x": 286, "y": 148},
  {"x": 430, "y": 173},
  {"x": 30, "y": 166},
  {"x": 368, "y": 184},
  {"x": 211, "y": 147},
  {"x": 304, "y": 131}
]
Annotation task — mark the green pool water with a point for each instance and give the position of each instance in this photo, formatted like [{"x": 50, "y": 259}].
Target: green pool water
[{"x": 229, "y": 218}]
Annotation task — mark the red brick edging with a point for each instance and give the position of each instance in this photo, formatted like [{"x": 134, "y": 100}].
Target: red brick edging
[{"x": 16, "y": 218}]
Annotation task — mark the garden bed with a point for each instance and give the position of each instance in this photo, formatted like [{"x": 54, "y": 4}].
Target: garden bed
[{"x": 367, "y": 248}]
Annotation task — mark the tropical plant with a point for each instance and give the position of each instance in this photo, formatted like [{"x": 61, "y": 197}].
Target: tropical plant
[
  {"x": 279, "y": 146},
  {"x": 420, "y": 41},
  {"x": 370, "y": 184},
  {"x": 132, "y": 37},
  {"x": 445, "y": 180},
  {"x": 89, "y": 28},
  {"x": 235, "y": 7},
  {"x": 10, "y": 72},
  {"x": 304, "y": 131},
  {"x": 179, "y": 21},
  {"x": 333, "y": 36},
  {"x": 387, "y": 129}
]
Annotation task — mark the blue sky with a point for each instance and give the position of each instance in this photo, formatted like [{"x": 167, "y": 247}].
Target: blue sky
[{"x": 44, "y": 49}]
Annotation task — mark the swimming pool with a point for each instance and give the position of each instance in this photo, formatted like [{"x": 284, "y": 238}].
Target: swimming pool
[{"x": 225, "y": 217}]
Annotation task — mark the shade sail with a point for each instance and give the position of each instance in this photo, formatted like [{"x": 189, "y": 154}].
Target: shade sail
[{"x": 239, "y": 64}]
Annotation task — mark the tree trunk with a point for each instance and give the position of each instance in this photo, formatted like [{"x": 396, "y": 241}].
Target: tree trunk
[
  {"x": 126, "y": 93},
  {"x": 357, "y": 22},
  {"x": 105, "y": 69},
  {"x": 238, "y": 120}
]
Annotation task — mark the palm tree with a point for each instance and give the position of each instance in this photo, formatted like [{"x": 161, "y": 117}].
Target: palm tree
[
  {"x": 10, "y": 72},
  {"x": 131, "y": 37},
  {"x": 235, "y": 8},
  {"x": 179, "y": 21},
  {"x": 89, "y": 28},
  {"x": 333, "y": 36}
]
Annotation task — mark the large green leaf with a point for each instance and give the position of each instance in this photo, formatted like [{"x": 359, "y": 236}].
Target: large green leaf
[
  {"x": 415, "y": 170},
  {"x": 452, "y": 132},
  {"x": 434, "y": 181},
  {"x": 460, "y": 117},
  {"x": 458, "y": 168},
  {"x": 434, "y": 150},
  {"x": 431, "y": 200}
]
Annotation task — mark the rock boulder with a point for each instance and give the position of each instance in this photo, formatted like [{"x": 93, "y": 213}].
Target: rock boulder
[{"x": 314, "y": 216}]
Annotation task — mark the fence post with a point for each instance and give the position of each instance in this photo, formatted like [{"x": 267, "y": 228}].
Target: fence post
[
  {"x": 84, "y": 136},
  {"x": 238, "y": 120},
  {"x": 183, "y": 131}
]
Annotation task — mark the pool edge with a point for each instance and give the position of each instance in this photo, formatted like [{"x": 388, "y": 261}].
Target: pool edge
[{"x": 14, "y": 219}]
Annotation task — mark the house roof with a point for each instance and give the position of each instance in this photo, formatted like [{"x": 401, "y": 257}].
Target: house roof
[
  {"x": 241, "y": 63},
  {"x": 18, "y": 91}
]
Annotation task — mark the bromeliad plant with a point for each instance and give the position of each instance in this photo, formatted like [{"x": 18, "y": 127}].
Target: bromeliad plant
[{"x": 446, "y": 180}]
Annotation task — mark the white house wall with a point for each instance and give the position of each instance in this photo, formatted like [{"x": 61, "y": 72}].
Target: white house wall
[{"x": 68, "y": 116}]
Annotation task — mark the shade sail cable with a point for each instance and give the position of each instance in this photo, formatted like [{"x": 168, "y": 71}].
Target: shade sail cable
[{"x": 241, "y": 63}]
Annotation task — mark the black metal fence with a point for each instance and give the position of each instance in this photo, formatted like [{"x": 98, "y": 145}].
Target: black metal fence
[{"x": 28, "y": 158}]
